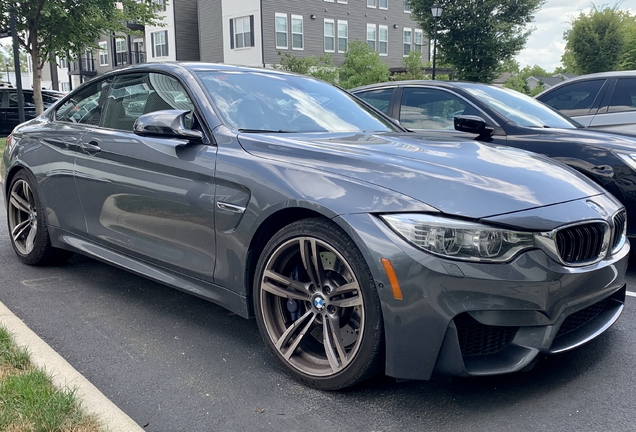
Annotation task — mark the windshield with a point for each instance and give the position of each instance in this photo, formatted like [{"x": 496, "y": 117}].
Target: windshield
[
  {"x": 250, "y": 101},
  {"x": 521, "y": 109}
]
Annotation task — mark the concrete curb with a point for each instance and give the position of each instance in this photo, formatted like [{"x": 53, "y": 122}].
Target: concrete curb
[{"x": 65, "y": 376}]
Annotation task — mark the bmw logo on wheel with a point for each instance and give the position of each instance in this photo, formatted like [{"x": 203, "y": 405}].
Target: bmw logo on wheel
[{"x": 319, "y": 303}]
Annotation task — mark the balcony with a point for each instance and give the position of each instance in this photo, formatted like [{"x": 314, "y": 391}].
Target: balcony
[
  {"x": 134, "y": 57},
  {"x": 84, "y": 67}
]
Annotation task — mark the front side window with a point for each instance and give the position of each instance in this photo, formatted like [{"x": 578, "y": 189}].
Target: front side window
[
  {"x": 28, "y": 99},
  {"x": 103, "y": 53},
  {"x": 84, "y": 106},
  {"x": 426, "y": 108},
  {"x": 241, "y": 29},
  {"x": 343, "y": 35},
  {"x": 383, "y": 40},
  {"x": 277, "y": 103},
  {"x": 371, "y": 36},
  {"x": 407, "y": 41},
  {"x": 133, "y": 95},
  {"x": 624, "y": 96},
  {"x": 281, "y": 31},
  {"x": 159, "y": 43},
  {"x": 297, "y": 32},
  {"x": 330, "y": 35},
  {"x": 574, "y": 99}
]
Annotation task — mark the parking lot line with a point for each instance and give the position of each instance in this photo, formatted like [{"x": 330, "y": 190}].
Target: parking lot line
[{"x": 629, "y": 293}]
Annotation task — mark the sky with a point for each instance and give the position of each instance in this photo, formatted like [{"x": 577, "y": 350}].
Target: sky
[{"x": 545, "y": 45}]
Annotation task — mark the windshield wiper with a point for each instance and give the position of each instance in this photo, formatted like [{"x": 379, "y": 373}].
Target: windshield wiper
[{"x": 264, "y": 131}]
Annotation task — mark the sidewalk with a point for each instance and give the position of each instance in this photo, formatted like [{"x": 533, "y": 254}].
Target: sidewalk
[{"x": 65, "y": 376}]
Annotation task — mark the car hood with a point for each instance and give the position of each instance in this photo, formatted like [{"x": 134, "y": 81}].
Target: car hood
[{"x": 469, "y": 179}]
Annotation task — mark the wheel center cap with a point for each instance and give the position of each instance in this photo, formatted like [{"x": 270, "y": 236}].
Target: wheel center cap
[{"x": 319, "y": 303}]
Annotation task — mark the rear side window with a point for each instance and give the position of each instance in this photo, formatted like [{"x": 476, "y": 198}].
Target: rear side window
[
  {"x": 574, "y": 99},
  {"x": 624, "y": 96},
  {"x": 379, "y": 99},
  {"x": 83, "y": 107}
]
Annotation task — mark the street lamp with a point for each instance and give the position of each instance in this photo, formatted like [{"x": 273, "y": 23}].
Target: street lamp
[
  {"x": 8, "y": 77},
  {"x": 436, "y": 10}
]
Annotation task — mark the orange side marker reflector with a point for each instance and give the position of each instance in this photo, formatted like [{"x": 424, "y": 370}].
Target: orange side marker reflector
[{"x": 393, "y": 280}]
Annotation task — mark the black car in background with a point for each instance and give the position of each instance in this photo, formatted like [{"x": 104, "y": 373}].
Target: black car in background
[
  {"x": 501, "y": 116},
  {"x": 9, "y": 116}
]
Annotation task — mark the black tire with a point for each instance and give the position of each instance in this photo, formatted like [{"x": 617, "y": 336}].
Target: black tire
[
  {"x": 28, "y": 229},
  {"x": 298, "y": 299}
]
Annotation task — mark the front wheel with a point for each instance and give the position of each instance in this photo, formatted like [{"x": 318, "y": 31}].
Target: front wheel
[
  {"x": 27, "y": 224},
  {"x": 316, "y": 305}
]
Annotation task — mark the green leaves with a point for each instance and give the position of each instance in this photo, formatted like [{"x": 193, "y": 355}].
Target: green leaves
[
  {"x": 601, "y": 40},
  {"x": 476, "y": 36}
]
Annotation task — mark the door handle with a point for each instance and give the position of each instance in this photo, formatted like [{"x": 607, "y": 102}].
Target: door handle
[{"x": 90, "y": 147}]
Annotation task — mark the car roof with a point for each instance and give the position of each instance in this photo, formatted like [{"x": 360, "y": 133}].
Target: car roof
[
  {"x": 433, "y": 83},
  {"x": 194, "y": 67}
]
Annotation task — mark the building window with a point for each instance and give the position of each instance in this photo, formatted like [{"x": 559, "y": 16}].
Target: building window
[
  {"x": 371, "y": 36},
  {"x": 330, "y": 35},
  {"x": 343, "y": 35},
  {"x": 418, "y": 40},
  {"x": 281, "y": 31},
  {"x": 65, "y": 86},
  {"x": 407, "y": 6},
  {"x": 241, "y": 32},
  {"x": 383, "y": 4},
  {"x": 371, "y": 3},
  {"x": 62, "y": 63},
  {"x": 103, "y": 53},
  {"x": 297, "y": 32},
  {"x": 407, "y": 41},
  {"x": 330, "y": 1},
  {"x": 161, "y": 5},
  {"x": 120, "y": 49},
  {"x": 343, "y": 1},
  {"x": 383, "y": 40},
  {"x": 159, "y": 43}
]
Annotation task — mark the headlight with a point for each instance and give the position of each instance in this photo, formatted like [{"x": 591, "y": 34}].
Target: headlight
[{"x": 459, "y": 239}]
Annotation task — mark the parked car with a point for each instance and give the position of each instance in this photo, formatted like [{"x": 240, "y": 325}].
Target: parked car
[
  {"x": 501, "y": 116},
  {"x": 602, "y": 100},
  {"x": 358, "y": 247},
  {"x": 9, "y": 115}
]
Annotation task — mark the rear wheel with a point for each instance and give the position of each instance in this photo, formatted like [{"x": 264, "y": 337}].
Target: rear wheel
[
  {"x": 27, "y": 224},
  {"x": 316, "y": 305}
]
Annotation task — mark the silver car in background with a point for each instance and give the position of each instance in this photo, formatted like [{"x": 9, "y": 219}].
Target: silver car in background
[{"x": 358, "y": 247}]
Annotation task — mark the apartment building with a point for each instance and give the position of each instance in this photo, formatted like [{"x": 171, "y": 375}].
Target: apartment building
[{"x": 253, "y": 32}]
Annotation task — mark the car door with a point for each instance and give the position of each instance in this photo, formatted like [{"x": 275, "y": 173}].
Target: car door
[
  {"x": 151, "y": 198},
  {"x": 619, "y": 112},
  {"x": 427, "y": 109},
  {"x": 579, "y": 99}
]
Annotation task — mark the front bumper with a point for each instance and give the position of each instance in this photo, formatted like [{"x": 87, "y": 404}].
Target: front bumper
[{"x": 470, "y": 319}]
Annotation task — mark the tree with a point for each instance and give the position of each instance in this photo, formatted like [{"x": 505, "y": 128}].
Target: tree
[
  {"x": 628, "y": 59},
  {"x": 477, "y": 36},
  {"x": 519, "y": 81},
  {"x": 413, "y": 64},
  {"x": 597, "y": 40},
  {"x": 362, "y": 66},
  {"x": 50, "y": 28}
]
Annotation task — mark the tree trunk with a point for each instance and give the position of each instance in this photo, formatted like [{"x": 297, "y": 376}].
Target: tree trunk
[{"x": 37, "y": 73}]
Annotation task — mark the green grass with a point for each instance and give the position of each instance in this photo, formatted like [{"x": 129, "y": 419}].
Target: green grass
[
  {"x": 29, "y": 401},
  {"x": 3, "y": 142}
]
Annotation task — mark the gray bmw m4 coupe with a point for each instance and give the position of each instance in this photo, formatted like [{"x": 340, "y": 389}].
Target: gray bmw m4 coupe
[{"x": 358, "y": 247}]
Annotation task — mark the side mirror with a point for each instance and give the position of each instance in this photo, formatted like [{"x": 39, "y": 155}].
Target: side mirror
[
  {"x": 166, "y": 123},
  {"x": 473, "y": 124}
]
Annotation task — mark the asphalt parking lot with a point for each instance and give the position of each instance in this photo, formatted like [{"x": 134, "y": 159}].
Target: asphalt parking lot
[{"x": 174, "y": 362}]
